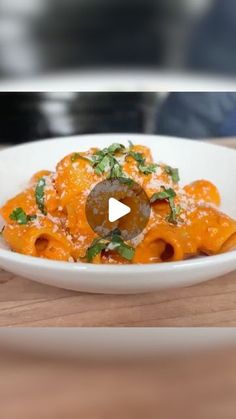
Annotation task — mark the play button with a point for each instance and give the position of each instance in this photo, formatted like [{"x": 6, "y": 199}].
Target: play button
[
  {"x": 116, "y": 210},
  {"x": 117, "y": 204}
]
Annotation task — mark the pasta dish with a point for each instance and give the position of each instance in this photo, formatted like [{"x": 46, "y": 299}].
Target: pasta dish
[{"x": 48, "y": 219}]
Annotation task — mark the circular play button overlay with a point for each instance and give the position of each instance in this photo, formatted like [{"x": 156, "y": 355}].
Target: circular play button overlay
[{"x": 118, "y": 204}]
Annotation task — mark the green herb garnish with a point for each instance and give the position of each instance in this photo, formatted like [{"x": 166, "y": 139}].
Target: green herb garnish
[
  {"x": 137, "y": 156},
  {"x": 97, "y": 246},
  {"x": 103, "y": 164},
  {"x": 173, "y": 172},
  {"x": 21, "y": 217},
  {"x": 116, "y": 170},
  {"x": 77, "y": 156},
  {"x": 115, "y": 147},
  {"x": 126, "y": 180},
  {"x": 147, "y": 169},
  {"x": 175, "y": 211},
  {"x": 105, "y": 161},
  {"x": 168, "y": 194},
  {"x": 39, "y": 195},
  {"x": 164, "y": 194},
  {"x": 142, "y": 166},
  {"x": 131, "y": 145},
  {"x": 118, "y": 244},
  {"x": 113, "y": 242}
]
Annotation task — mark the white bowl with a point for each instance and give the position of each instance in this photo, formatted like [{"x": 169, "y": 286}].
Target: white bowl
[
  {"x": 195, "y": 160},
  {"x": 120, "y": 80}
]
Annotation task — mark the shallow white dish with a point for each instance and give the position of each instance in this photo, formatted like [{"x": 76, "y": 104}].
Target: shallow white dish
[
  {"x": 118, "y": 80},
  {"x": 194, "y": 159}
]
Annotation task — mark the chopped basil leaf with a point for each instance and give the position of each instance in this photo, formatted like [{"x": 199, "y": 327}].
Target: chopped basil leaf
[
  {"x": 116, "y": 170},
  {"x": 126, "y": 180},
  {"x": 164, "y": 194},
  {"x": 168, "y": 194},
  {"x": 77, "y": 156},
  {"x": 147, "y": 169},
  {"x": 130, "y": 145},
  {"x": 175, "y": 211},
  {"x": 103, "y": 165},
  {"x": 98, "y": 156},
  {"x": 127, "y": 252},
  {"x": 118, "y": 244},
  {"x": 115, "y": 236},
  {"x": 142, "y": 166},
  {"x": 39, "y": 195},
  {"x": 31, "y": 217},
  {"x": 21, "y": 217},
  {"x": 173, "y": 172},
  {"x": 137, "y": 156},
  {"x": 104, "y": 160},
  {"x": 113, "y": 148},
  {"x": 96, "y": 247},
  {"x": 113, "y": 242}
]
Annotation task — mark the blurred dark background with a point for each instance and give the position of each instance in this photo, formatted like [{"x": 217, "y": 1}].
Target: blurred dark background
[
  {"x": 49, "y": 37},
  {"x": 30, "y": 116},
  {"x": 38, "y": 36},
  {"x": 199, "y": 115},
  {"x": 43, "y": 36}
]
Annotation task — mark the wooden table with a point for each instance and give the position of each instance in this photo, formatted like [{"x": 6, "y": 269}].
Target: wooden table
[
  {"x": 26, "y": 303},
  {"x": 199, "y": 385}
]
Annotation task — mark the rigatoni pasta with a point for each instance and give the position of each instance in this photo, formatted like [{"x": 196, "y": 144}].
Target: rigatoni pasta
[{"x": 48, "y": 219}]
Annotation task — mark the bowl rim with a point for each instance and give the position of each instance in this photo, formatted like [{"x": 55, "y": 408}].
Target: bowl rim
[
  {"x": 123, "y": 135},
  {"x": 165, "y": 267}
]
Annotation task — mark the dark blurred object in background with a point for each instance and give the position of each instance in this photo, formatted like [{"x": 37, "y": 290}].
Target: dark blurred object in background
[
  {"x": 213, "y": 43},
  {"x": 93, "y": 33},
  {"x": 30, "y": 116},
  {"x": 42, "y": 36},
  {"x": 198, "y": 115}
]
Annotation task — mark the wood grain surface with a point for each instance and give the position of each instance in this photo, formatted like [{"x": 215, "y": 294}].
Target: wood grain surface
[
  {"x": 26, "y": 303},
  {"x": 196, "y": 386}
]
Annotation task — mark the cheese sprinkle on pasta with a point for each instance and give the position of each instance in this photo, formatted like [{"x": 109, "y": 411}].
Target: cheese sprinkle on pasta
[{"x": 48, "y": 219}]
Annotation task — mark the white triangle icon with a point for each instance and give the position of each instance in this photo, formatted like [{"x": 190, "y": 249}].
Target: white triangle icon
[{"x": 116, "y": 210}]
